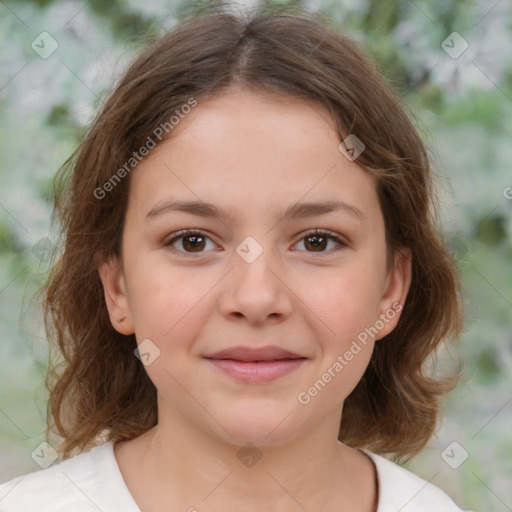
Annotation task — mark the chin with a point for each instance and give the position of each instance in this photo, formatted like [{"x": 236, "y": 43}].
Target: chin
[{"x": 269, "y": 428}]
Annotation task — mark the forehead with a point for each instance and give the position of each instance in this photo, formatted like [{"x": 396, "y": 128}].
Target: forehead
[{"x": 250, "y": 151}]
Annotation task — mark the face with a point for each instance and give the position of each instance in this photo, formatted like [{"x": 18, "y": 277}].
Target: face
[{"x": 258, "y": 265}]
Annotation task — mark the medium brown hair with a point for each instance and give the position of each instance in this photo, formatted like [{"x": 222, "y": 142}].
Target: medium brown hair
[{"x": 98, "y": 388}]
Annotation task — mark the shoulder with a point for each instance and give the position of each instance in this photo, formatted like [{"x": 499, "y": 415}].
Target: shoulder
[
  {"x": 399, "y": 489},
  {"x": 86, "y": 482}
]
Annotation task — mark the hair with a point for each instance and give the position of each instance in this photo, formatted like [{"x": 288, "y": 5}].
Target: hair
[{"x": 97, "y": 387}]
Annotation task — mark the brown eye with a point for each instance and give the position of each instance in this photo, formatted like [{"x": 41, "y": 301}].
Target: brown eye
[
  {"x": 318, "y": 241},
  {"x": 193, "y": 243},
  {"x": 189, "y": 242}
]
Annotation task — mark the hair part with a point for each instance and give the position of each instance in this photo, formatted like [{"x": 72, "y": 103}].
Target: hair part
[{"x": 98, "y": 388}]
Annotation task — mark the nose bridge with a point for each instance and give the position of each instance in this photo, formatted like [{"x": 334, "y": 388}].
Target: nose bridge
[
  {"x": 253, "y": 262},
  {"x": 255, "y": 291}
]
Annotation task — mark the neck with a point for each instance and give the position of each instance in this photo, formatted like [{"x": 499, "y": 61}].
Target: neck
[{"x": 188, "y": 469}]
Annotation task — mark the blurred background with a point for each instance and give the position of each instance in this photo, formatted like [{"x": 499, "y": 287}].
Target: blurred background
[{"x": 450, "y": 63}]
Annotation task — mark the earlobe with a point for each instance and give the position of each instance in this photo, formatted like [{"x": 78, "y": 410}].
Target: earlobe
[
  {"x": 116, "y": 297},
  {"x": 395, "y": 291}
]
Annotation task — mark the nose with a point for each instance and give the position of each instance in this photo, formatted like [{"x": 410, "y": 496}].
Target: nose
[{"x": 256, "y": 291}]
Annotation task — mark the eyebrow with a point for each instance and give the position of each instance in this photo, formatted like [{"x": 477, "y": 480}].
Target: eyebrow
[{"x": 294, "y": 211}]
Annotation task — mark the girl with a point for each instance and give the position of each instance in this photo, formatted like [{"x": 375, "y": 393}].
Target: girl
[{"x": 250, "y": 287}]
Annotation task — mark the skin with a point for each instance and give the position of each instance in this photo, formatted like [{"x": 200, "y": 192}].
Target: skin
[{"x": 252, "y": 155}]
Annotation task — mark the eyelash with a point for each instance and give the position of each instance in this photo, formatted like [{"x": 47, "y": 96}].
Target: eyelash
[{"x": 315, "y": 232}]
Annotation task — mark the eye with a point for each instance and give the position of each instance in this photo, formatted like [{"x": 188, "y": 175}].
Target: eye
[
  {"x": 318, "y": 241},
  {"x": 191, "y": 242}
]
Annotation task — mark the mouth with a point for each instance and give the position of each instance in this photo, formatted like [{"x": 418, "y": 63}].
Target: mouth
[
  {"x": 256, "y": 365},
  {"x": 248, "y": 354}
]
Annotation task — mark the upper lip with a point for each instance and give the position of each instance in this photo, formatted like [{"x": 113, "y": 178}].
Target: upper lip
[{"x": 247, "y": 354}]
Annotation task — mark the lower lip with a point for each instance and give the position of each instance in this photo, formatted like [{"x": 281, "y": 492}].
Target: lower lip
[{"x": 262, "y": 371}]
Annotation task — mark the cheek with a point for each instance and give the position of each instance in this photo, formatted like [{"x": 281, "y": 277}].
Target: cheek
[
  {"x": 347, "y": 300},
  {"x": 347, "y": 307},
  {"x": 168, "y": 301}
]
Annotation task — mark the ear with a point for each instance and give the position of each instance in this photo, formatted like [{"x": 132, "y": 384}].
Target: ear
[
  {"x": 116, "y": 296},
  {"x": 396, "y": 288}
]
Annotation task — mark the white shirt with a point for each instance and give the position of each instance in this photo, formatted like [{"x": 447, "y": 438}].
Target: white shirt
[{"x": 92, "y": 482}]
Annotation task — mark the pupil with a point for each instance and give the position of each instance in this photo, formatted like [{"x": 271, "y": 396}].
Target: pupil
[
  {"x": 316, "y": 244},
  {"x": 195, "y": 241}
]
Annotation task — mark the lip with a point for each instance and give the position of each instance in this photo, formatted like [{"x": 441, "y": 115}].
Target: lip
[
  {"x": 248, "y": 354},
  {"x": 262, "y": 371},
  {"x": 256, "y": 365}
]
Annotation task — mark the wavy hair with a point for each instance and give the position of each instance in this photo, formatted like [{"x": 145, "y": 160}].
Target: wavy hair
[{"x": 98, "y": 389}]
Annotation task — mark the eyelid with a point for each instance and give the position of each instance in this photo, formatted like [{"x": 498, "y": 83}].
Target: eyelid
[
  {"x": 339, "y": 239},
  {"x": 322, "y": 231}
]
